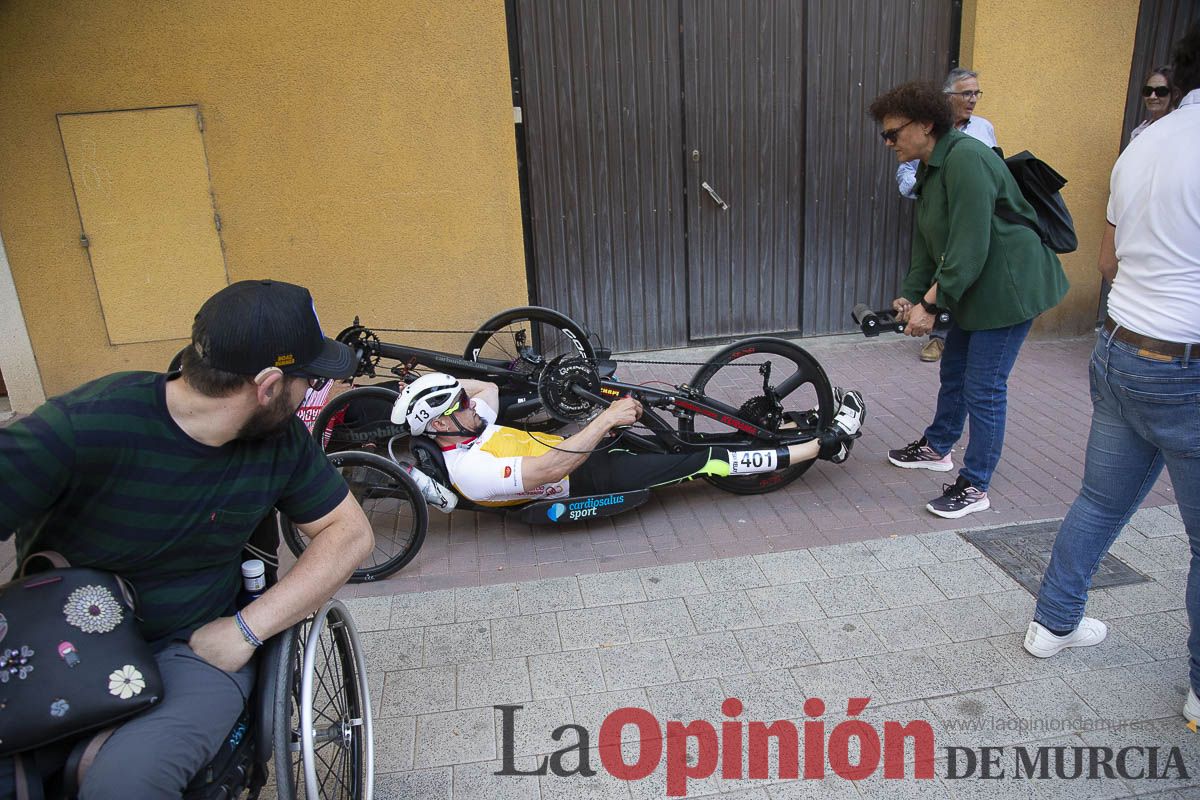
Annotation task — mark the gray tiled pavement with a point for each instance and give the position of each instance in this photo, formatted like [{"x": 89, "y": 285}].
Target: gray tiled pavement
[
  {"x": 923, "y": 625},
  {"x": 837, "y": 586}
]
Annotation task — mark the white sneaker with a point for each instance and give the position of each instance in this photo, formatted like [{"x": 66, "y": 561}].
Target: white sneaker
[
  {"x": 1040, "y": 642},
  {"x": 1191, "y": 708},
  {"x": 852, "y": 411}
]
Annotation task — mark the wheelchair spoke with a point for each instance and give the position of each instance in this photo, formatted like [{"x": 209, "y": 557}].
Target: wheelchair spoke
[
  {"x": 334, "y": 691},
  {"x": 338, "y": 774}
]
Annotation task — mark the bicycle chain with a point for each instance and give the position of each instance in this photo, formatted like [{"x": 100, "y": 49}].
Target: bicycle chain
[{"x": 593, "y": 361}]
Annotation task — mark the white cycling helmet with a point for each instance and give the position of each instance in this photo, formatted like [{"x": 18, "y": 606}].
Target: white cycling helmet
[{"x": 425, "y": 399}]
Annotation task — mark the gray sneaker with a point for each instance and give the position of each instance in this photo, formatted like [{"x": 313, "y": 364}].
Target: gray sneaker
[
  {"x": 919, "y": 455},
  {"x": 958, "y": 500}
]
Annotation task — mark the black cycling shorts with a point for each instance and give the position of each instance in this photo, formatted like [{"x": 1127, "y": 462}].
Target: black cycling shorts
[{"x": 608, "y": 471}]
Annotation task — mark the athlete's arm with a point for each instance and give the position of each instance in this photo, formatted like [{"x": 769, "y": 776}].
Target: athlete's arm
[
  {"x": 486, "y": 391},
  {"x": 557, "y": 464}
]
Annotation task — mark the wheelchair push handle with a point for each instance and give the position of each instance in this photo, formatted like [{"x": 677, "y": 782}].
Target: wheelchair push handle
[{"x": 875, "y": 322}]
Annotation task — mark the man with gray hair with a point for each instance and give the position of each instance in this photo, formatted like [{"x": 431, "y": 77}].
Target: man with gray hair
[{"x": 962, "y": 87}]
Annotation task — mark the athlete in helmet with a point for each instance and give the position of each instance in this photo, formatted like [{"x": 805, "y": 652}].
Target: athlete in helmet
[{"x": 496, "y": 465}]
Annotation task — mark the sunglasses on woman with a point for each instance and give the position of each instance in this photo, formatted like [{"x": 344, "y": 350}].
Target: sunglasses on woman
[
  {"x": 890, "y": 134},
  {"x": 1157, "y": 91}
]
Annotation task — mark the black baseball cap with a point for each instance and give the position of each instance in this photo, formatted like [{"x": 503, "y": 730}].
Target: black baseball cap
[{"x": 251, "y": 325}]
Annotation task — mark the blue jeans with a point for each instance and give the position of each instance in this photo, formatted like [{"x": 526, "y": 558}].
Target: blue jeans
[
  {"x": 974, "y": 378},
  {"x": 1145, "y": 413}
]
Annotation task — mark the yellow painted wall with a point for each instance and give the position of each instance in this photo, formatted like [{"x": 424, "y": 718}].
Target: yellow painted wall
[
  {"x": 357, "y": 148},
  {"x": 1054, "y": 75}
]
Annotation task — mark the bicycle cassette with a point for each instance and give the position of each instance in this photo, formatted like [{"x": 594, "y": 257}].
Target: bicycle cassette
[{"x": 557, "y": 384}]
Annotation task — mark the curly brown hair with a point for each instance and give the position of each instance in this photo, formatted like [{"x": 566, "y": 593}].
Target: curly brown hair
[{"x": 920, "y": 101}]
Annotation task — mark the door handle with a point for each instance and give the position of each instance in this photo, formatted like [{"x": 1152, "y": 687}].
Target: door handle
[{"x": 713, "y": 194}]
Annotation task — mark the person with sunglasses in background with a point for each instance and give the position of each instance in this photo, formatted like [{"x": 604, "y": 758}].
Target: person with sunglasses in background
[
  {"x": 961, "y": 86},
  {"x": 162, "y": 479},
  {"x": 1160, "y": 95},
  {"x": 994, "y": 276}
]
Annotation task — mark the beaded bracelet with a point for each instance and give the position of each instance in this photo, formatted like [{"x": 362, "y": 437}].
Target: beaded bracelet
[{"x": 247, "y": 634}]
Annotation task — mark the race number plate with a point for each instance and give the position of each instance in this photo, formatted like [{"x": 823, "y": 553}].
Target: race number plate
[{"x": 749, "y": 462}]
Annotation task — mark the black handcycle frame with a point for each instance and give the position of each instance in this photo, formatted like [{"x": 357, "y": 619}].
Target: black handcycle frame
[{"x": 585, "y": 377}]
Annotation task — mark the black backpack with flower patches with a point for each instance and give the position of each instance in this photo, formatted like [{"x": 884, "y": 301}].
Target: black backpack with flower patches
[{"x": 71, "y": 657}]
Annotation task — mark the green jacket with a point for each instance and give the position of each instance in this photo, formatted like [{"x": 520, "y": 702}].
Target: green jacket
[{"x": 990, "y": 273}]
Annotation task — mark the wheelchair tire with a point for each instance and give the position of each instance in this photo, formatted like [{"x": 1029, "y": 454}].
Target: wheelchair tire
[
  {"x": 806, "y": 393},
  {"x": 393, "y": 504},
  {"x": 323, "y": 728},
  {"x": 358, "y": 419},
  {"x": 553, "y": 335}
]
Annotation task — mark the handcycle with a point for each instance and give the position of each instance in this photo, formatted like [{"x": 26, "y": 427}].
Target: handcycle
[{"x": 761, "y": 392}]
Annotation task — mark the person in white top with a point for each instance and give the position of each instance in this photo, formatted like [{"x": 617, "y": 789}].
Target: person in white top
[
  {"x": 962, "y": 88},
  {"x": 1145, "y": 373}
]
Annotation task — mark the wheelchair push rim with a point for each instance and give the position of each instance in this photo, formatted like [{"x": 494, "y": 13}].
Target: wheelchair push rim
[{"x": 345, "y": 731}]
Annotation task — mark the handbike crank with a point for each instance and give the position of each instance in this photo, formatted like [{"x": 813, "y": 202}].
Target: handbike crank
[{"x": 557, "y": 386}]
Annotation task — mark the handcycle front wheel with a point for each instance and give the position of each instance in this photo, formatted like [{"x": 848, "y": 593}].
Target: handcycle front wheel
[
  {"x": 803, "y": 401},
  {"x": 393, "y": 505},
  {"x": 323, "y": 730},
  {"x": 524, "y": 340},
  {"x": 358, "y": 419}
]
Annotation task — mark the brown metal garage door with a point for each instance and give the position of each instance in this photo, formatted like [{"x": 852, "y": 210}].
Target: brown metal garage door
[{"x": 704, "y": 169}]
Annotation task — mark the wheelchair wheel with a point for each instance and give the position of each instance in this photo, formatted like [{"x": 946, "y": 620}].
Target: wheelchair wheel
[
  {"x": 524, "y": 339},
  {"x": 393, "y": 504},
  {"x": 734, "y": 377},
  {"x": 359, "y": 419},
  {"x": 323, "y": 734}
]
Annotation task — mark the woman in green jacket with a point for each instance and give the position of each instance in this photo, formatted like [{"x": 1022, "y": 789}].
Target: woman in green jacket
[{"x": 994, "y": 276}]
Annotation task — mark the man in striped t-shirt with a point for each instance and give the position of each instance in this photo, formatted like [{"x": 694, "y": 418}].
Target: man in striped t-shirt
[{"x": 162, "y": 479}]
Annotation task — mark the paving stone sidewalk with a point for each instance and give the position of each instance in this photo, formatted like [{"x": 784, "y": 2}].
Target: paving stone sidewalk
[{"x": 923, "y": 625}]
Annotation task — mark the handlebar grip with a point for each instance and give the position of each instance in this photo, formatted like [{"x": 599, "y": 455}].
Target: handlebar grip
[{"x": 866, "y": 319}]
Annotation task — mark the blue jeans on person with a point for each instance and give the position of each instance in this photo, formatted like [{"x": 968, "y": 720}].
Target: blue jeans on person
[
  {"x": 1145, "y": 413},
  {"x": 974, "y": 378}
]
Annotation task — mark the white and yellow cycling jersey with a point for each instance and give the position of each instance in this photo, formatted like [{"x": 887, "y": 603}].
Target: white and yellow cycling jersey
[{"x": 487, "y": 469}]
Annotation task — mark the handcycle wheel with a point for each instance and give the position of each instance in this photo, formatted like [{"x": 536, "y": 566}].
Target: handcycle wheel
[
  {"x": 358, "y": 419},
  {"x": 805, "y": 401},
  {"x": 525, "y": 339},
  {"x": 393, "y": 504},
  {"x": 323, "y": 731}
]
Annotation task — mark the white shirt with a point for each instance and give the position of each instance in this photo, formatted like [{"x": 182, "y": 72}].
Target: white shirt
[
  {"x": 977, "y": 127},
  {"x": 487, "y": 468},
  {"x": 1154, "y": 201}
]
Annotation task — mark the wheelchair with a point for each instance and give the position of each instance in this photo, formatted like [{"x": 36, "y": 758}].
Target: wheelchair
[{"x": 309, "y": 714}]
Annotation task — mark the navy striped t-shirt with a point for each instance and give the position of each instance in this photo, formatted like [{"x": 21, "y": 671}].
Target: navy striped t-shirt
[{"x": 106, "y": 477}]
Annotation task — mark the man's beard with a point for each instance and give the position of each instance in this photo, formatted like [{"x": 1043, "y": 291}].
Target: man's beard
[
  {"x": 270, "y": 422},
  {"x": 471, "y": 429}
]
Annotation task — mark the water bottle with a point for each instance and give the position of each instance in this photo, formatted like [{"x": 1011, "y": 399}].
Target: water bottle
[
  {"x": 254, "y": 581},
  {"x": 435, "y": 494}
]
